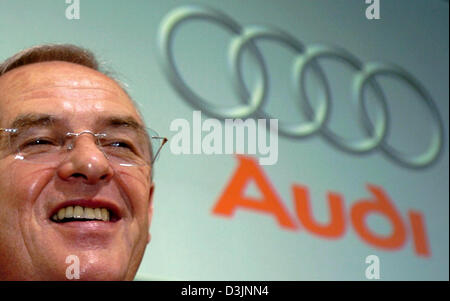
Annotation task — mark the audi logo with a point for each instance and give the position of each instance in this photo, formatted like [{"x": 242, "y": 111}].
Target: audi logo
[{"x": 252, "y": 103}]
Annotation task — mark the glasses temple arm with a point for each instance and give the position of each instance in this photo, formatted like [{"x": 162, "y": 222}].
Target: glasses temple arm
[{"x": 160, "y": 147}]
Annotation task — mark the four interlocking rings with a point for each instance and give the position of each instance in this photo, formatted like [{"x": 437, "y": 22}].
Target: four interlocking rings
[{"x": 254, "y": 101}]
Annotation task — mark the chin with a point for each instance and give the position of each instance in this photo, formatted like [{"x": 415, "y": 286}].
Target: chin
[
  {"x": 75, "y": 264},
  {"x": 101, "y": 274},
  {"x": 102, "y": 265}
]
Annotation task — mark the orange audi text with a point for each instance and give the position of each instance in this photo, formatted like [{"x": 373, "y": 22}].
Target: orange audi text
[{"x": 233, "y": 198}]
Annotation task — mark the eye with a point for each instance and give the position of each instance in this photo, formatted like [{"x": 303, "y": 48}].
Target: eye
[
  {"x": 38, "y": 145},
  {"x": 38, "y": 141},
  {"x": 120, "y": 144}
]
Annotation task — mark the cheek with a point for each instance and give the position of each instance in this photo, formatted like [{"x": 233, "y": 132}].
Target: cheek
[
  {"x": 23, "y": 182},
  {"x": 27, "y": 186},
  {"x": 135, "y": 186},
  {"x": 29, "y": 181},
  {"x": 20, "y": 187}
]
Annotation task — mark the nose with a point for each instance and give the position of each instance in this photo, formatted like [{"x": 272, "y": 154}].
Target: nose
[{"x": 85, "y": 161}]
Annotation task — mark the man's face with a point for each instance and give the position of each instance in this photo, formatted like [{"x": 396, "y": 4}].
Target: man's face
[{"x": 32, "y": 245}]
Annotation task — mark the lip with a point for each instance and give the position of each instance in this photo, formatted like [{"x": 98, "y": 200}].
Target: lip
[
  {"x": 96, "y": 228},
  {"x": 116, "y": 213}
]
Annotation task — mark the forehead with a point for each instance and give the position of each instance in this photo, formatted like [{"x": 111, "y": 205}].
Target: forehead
[{"x": 71, "y": 91}]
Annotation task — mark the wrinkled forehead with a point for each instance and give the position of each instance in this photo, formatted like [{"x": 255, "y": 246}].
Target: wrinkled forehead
[{"x": 60, "y": 88}]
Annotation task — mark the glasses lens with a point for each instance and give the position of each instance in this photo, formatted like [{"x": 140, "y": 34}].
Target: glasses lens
[
  {"x": 130, "y": 147},
  {"x": 36, "y": 144},
  {"x": 125, "y": 146}
]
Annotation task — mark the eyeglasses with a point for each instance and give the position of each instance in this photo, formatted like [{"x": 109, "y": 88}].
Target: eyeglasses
[{"x": 122, "y": 145}]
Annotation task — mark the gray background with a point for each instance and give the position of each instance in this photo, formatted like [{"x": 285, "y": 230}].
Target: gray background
[{"x": 189, "y": 242}]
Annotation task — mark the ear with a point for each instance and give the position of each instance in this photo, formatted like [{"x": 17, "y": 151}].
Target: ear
[{"x": 150, "y": 209}]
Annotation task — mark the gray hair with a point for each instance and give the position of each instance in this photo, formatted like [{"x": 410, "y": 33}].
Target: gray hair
[{"x": 45, "y": 53}]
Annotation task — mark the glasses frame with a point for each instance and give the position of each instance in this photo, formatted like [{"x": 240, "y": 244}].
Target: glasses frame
[{"x": 10, "y": 131}]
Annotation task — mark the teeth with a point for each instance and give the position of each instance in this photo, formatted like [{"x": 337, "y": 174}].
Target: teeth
[
  {"x": 78, "y": 212},
  {"x": 98, "y": 213},
  {"x": 89, "y": 213},
  {"x": 62, "y": 213},
  {"x": 69, "y": 212},
  {"x": 82, "y": 213},
  {"x": 105, "y": 214}
]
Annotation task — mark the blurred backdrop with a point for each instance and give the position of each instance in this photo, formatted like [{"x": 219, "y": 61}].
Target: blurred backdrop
[{"x": 223, "y": 217}]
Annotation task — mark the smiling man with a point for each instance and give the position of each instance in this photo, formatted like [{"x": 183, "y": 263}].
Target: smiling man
[{"x": 76, "y": 166}]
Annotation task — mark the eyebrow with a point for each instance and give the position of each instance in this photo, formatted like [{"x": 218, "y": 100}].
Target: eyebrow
[
  {"x": 34, "y": 119},
  {"x": 125, "y": 121}
]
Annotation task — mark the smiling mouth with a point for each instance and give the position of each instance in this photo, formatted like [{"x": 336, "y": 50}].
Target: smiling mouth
[{"x": 83, "y": 214}]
